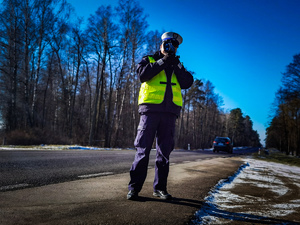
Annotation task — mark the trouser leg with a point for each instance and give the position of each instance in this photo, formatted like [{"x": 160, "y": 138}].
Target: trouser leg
[
  {"x": 143, "y": 143},
  {"x": 164, "y": 147}
]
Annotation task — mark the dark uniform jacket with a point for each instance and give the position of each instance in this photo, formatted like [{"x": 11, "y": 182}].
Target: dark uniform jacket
[{"x": 146, "y": 71}]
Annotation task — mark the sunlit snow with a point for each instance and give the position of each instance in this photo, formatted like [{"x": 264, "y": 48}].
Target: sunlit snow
[{"x": 223, "y": 206}]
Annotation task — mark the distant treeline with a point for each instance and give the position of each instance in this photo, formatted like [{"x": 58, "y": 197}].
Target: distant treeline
[
  {"x": 69, "y": 81},
  {"x": 283, "y": 132}
]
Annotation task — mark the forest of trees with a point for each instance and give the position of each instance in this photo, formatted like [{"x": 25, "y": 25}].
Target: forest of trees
[
  {"x": 283, "y": 132},
  {"x": 69, "y": 81}
]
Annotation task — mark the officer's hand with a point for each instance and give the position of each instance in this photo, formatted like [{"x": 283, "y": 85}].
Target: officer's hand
[
  {"x": 171, "y": 59},
  {"x": 175, "y": 61},
  {"x": 167, "y": 58}
]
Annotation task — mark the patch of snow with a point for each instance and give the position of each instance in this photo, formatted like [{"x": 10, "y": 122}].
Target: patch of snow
[
  {"x": 265, "y": 175},
  {"x": 273, "y": 213},
  {"x": 286, "y": 206},
  {"x": 227, "y": 197}
]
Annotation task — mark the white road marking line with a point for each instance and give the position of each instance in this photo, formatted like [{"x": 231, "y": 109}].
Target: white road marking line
[
  {"x": 15, "y": 186},
  {"x": 96, "y": 175}
]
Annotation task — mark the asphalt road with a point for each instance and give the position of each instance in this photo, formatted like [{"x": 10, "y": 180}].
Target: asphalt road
[{"x": 30, "y": 168}]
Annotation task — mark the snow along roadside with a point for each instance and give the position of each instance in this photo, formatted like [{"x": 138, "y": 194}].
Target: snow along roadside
[{"x": 274, "y": 182}]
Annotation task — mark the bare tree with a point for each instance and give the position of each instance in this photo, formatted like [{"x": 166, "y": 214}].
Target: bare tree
[
  {"x": 132, "y": 25},
  {"x": 153, "y": 39},
  {"x": 102, "y": 30},
  {"x": 77, "y": 50}
]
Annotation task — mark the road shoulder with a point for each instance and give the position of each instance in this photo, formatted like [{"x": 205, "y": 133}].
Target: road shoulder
[{"x": 103, "y": 200}]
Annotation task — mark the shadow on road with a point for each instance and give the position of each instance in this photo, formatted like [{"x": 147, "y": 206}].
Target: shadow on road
[{"x": 175, "y": 201}]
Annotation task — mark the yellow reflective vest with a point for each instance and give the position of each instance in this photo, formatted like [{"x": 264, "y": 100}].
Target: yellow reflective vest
[{"x": 153, "y": 91}]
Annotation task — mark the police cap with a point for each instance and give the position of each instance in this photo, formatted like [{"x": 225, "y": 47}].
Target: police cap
[{"x": 172, "y": 36}]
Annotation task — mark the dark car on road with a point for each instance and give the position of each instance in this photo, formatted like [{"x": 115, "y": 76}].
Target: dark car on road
[{"x": 222, "y": 144}]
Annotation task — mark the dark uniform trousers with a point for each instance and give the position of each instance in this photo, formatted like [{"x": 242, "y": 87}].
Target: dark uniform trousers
[{"x": 161, "y": 125}]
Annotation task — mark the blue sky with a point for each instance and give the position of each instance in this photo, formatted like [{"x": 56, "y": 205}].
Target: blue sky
[{"x": 241, "y": 46}]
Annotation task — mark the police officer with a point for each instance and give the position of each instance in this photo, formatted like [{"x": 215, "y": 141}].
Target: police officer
[{"x": 160, "y": 101}]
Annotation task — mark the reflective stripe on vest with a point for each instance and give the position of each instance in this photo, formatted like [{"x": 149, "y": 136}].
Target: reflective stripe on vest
[{"x": 153, "y": 91}]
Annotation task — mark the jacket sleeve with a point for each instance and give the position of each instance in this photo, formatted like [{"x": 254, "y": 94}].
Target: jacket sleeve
[
  {"x": 146, "y": 70},
  {"x": 184, "y": 77}
]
